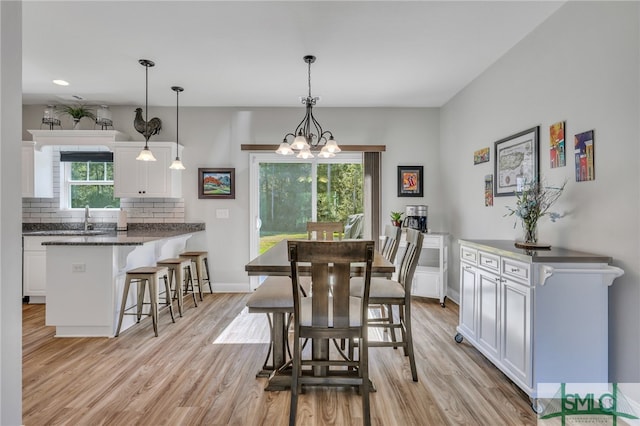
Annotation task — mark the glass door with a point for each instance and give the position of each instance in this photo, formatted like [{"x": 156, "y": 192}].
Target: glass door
[{"x": 288, "y": 192}]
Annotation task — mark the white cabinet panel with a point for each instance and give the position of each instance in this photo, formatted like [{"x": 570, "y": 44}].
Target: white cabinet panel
[
  {"x": 516, "y": 330},
  {"x": 146, "y": 179},
  {"x": 488, "y": 332},
  {"x": 37, "y": 171},
  {"x": 468, "y": 292},
  {"x": 34, "y": 261}
]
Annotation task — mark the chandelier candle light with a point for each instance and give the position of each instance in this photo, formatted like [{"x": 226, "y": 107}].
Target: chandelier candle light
[
  {"x": 309, "y": 135},
  {"x": 177, "y": 164}
]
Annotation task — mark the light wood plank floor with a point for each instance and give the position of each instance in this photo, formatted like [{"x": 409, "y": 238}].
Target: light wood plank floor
[{"x": 201, "y": 371}]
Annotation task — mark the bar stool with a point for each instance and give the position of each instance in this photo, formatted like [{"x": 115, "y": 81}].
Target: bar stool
[
  {"x": 180, "y": 268},
  {"x": 146, "y": 276},
  {"x": 200, "y": 258}
]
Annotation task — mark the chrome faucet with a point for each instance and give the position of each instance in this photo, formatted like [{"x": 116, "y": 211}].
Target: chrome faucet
[{"x": 87, "y": 225}]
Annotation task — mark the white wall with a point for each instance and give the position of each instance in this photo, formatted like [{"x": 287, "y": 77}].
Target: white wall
[
  {"x": 582, "y": 66},
  {"x": 212, "y": 138}
]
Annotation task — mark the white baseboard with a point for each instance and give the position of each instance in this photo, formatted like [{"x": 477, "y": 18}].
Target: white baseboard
[{"x": 454, "y": 296}]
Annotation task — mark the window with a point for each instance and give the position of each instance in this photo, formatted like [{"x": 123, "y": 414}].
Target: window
[{"x": 88, "y": 180}]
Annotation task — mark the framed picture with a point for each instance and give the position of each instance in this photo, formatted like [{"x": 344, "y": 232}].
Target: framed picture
[
  {"x": 516, "y": 162},
  {"x": 410, "y": 182},
  {"x": 216, "y": 183},
  {"x": 585, "y": 156},
  {"x": 557, "y": 155},
  {"x": 481, "y": 156}
]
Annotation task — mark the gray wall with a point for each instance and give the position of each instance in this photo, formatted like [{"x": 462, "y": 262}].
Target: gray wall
[
  {"x": 10, "y": 236},
  {"x": 581, "y": 65},
  {"x": 212, "y": 138}
]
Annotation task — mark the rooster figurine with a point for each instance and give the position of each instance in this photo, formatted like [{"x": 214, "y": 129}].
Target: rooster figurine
[{"x": 149, "y": 129}]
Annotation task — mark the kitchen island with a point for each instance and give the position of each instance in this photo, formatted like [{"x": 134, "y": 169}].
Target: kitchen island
[{"x": 86, "y": 274}]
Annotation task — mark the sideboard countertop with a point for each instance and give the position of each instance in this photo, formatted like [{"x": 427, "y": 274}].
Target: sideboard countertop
[{"x": 552, "y": 255}]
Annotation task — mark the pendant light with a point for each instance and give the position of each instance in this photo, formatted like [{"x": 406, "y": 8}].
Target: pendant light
[
  {"x": 177, "y": 164},
  {"x": 146, "y": 154}
]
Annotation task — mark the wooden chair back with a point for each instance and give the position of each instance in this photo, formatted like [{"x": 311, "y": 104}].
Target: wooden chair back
[
  {"x": 409, "y": 259},
  {"x": 330, "y": 313},
  {"x": 330, "y": 273},
  {"x": 325, "y": 230},
  {"x": 389, "y": 247}
]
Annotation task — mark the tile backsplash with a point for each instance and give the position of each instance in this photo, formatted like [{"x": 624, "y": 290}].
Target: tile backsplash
[{"x": 139, "y": 210}]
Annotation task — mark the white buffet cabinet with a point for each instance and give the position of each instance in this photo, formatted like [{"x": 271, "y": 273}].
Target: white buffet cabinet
[
  {"x": 539, "y": 316},
  {"x": 430, "y": 277}
]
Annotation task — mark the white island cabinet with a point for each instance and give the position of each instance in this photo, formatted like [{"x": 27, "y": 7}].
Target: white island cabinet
[
  {"x": 146, "y": 179},
  {"x": 539, "y": 316},
  {"x": 85, "y": 279}
]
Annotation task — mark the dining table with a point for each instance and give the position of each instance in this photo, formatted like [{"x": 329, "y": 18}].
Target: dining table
[{"x": 275, "y": 262}]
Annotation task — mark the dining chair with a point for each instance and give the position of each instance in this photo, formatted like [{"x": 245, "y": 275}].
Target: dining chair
[
  {"x": 396, "y": 292},
  {"x": 389, "y": 249},
  {"x": 389, "y": 246},
  {"x": 330, "y": 313},
  {"x": 325, "y": 230}
]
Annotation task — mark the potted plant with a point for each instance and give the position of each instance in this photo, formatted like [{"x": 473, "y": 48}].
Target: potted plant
[
  {"x": 396, "y": 218},
  {"x": 77, "y": 112}
]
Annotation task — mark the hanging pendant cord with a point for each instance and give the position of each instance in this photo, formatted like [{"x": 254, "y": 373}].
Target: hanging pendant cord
[{"x": 146, "y": 103}]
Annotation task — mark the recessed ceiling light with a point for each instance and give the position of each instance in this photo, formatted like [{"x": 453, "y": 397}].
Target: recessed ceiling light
[{"x": 61, "y": 82}]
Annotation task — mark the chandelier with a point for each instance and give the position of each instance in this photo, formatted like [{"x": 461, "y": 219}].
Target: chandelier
[{"x": 308, "y": 135}]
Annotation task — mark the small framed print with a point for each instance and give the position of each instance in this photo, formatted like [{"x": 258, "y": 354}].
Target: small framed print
[
  {"x": 481, "y": 156},
  {"x": 410, "y": 181},
  {"x": 216, "y": 183}
]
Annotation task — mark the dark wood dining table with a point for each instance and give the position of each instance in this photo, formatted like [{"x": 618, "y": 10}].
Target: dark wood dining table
[{"x": 275, "y": 262}]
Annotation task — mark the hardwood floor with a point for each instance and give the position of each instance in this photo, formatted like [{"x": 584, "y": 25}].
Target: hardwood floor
[{"x": 201, "y": 371}]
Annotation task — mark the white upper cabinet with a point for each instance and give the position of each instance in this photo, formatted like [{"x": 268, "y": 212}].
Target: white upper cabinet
[
  {"x": 37, "y": 171},
  {"x": 146, "y": 179}
]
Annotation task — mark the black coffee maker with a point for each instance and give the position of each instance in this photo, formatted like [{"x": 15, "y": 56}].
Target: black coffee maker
[{"x": 416, "y": 218}]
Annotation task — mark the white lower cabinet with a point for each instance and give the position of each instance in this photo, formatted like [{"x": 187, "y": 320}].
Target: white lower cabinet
[
  {"x": 515, "y": 305},
  {"x": 34, "y": 265},
  {"x": 146, "y": 179}
]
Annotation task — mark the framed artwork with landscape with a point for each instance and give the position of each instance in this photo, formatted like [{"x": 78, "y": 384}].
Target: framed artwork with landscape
[
  {"x": 516, "y": 162},
  {"x": 216, "y": 183},
  {"x": 410, "y": 181}
]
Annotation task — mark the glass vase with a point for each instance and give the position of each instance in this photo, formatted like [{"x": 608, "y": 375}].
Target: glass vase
[{"x": 530, "y": 232}]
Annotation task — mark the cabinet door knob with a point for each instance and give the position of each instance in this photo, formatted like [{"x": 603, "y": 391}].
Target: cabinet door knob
[{"x": 515, "y": 269}]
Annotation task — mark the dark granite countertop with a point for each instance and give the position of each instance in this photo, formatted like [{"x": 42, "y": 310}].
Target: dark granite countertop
[
  {"x": 137, "y": 234},
  {"x": 552, "y": 255}
]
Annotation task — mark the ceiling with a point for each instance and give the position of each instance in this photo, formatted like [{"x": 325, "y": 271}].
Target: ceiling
[{"x": 249, "y": 53}]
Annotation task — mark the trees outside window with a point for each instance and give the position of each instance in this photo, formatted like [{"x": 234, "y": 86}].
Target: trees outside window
[{"x": 90, "y": 184}]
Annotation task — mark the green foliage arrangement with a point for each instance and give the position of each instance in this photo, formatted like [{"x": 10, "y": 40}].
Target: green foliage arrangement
[
  {"x": 532, "y": 203},
  {"x": 77, "y": 111}
]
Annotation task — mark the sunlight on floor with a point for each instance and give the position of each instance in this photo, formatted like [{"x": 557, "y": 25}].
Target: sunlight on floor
[{"x": 245, "y": 329}]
